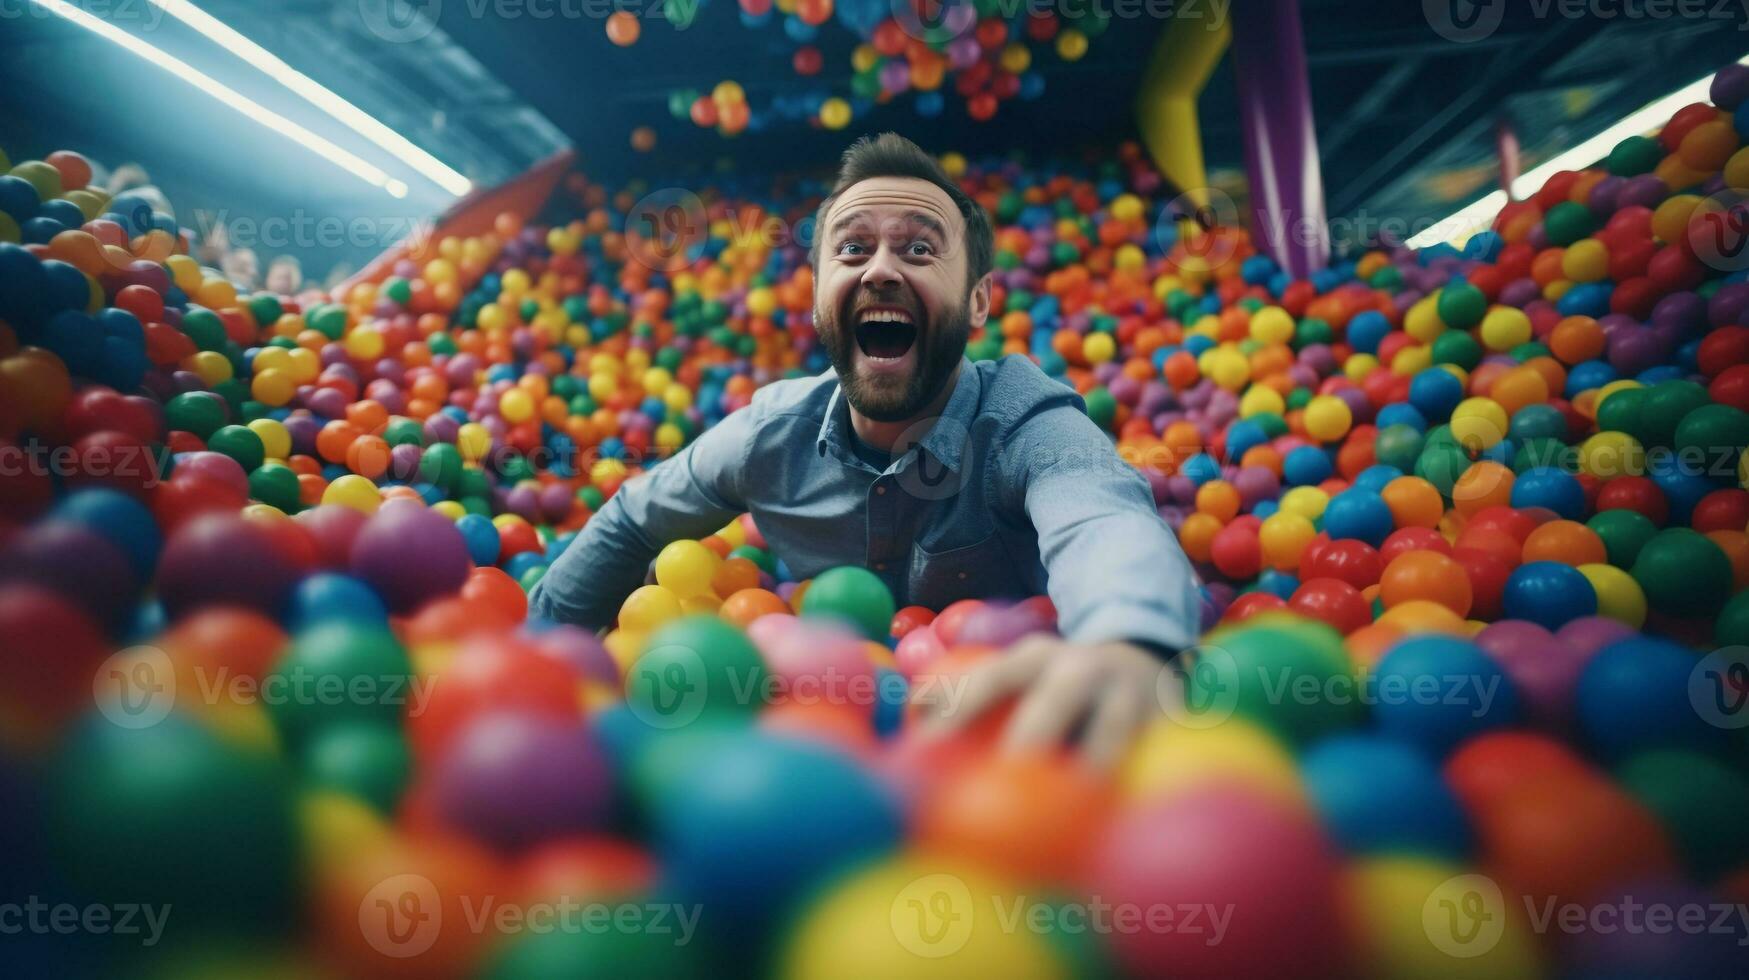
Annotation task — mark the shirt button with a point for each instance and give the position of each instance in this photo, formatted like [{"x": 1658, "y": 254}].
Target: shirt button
[
  {"x": 880, "y": 491},
  {"x": 962, "y": 575},
  {"x": 880, "y": 566}
]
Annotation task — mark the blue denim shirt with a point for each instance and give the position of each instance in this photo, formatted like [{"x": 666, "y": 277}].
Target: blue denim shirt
[{"x": 1013, "y": 491}]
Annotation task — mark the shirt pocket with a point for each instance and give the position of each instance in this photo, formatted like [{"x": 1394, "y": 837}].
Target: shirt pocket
[{"x": 981, "y": 570}]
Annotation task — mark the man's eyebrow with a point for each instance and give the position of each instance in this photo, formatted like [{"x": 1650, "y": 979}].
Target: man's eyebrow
[{"x": 923, "y": 218}]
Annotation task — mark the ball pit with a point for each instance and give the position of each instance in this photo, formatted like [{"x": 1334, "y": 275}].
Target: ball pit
[{"x": 1514, "y": 471}]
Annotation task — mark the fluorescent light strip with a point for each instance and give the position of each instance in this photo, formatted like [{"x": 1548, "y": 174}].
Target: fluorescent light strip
[
  {"x": 349, "y": 162},
  {"x": 355, "y": 118},
  {"x": 1479, "y": 215}
]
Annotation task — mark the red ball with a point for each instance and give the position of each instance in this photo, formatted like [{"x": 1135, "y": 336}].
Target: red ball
[
  {"x": 1236, "y": 552},
  {"x": 491, "y": 588},
  {"x": 75, "y": 170},
  {"x": 1722, "y": 510},
  {"x": 908, "y": 619},
  {"x": 1514, "y": 522},
  {"x": 1487, "y": 573},
  {"x": 1354, "y": 562},
  {"x": 1488, "y": 766},
  {"x": 1332, "y": 601},
  {"x": 1635, "y": 493},
  {"x": 492, "y": 674},
  {"x": 49, "y": 653},
  {"x": 1251, "y": 604},
  {"x": 117, "y": 460},
  {"x": 948, "y": 623},
  {"x": 1731, "y": 387},
  {"x": 1724, "y": 348},
  {"x": 1413, "y": 539}
]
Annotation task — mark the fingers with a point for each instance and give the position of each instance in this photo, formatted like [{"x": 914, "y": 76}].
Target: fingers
[
  {"x": 1120, "y": 711},
  {"x": 953, "y": 703},
  {"x": 1059, "y": 699}
]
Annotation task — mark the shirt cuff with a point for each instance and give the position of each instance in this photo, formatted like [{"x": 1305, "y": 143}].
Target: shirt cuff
[{"x": 1151, "y": 629}]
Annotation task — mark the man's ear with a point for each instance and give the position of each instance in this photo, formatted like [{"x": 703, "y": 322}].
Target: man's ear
[{"x": 979, "y": 305}]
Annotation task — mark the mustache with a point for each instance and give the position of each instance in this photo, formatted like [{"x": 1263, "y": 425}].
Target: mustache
[{"x": 857, "y": 304}]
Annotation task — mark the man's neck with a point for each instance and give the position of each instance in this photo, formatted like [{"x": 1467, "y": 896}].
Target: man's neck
[{"x": 882, "y": 435}]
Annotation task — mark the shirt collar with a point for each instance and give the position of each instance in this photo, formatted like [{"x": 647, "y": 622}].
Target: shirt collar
[{"x": 946, "y": 443}]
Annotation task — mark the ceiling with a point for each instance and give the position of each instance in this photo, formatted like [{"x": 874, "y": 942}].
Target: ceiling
[{"x": 1405, "y": 116}]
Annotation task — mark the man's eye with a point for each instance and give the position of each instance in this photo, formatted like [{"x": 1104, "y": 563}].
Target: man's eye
[
  {"x": 850, "y": 248},
  {"x": 921, "y": 248}
]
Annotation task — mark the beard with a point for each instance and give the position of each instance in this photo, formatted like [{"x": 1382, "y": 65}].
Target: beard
[{"x": 938, "y": 347}]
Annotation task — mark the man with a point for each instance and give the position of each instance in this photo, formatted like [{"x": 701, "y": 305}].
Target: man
[{"x": 946, "y": 478}]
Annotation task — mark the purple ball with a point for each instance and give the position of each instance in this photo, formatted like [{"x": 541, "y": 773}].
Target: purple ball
[
  {"x": 77, "y": 562},
  {"x": 224, "y": 560},
  {"x": 302, "y": 429},
  {"x": 1603, "y": 196},
  {"x": 1730, "y": 87},
  {"x": 1519, "y": 292},
  {"x": 1727, "y": 305},
  {"x": 1158, "y": 485},
  {"x": 1589, "y": 634},
  {"x": 1358, "y": 404},
  {"x": 524, "y": 503},
  {"x": 1629, "y": 943},
  {"x": 1645, "y": 190},
  {"x": 441, "y": 428},
  {"x": 1684, "y": 311},
  {"x": 515, "y": 780},
  {"x": 410, "y": 555},
  {"x": 1000, "y": 626},
  {"x": 328, "y": 403},
  {"x": 1633, "y": 351},
  {"x": 1255, "y": 485},
  {"x": 404, "y": 461},
  {"x": 555, "y": 502},
  {"x": 580, "y": 649},
  {"x": 1543, "y": 669}
]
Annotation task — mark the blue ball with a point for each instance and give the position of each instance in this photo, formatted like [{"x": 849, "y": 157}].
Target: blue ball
[
  {"x": 1436, "y": 691},
  {"x": 1587, "y": 375},
  {"x": 1550, "y": 487},
  {"x": 1538, "y": 422},
  {"x": 126, "y": 522},
  {"x": 1639, "y": 693},
  {"x": 1377, "y": 795},
  {"x": 1200, "y": 469},
  {"x": 1366, "y": 329},
  {"x": 1306, "y": 465},
  {"x": 1359, "y": 514},
  {"x": 328, "y": 596},
  {"x": 1376, "y": 476},
  {"x": 1683, "y": 483},
  {"x": 18, "y": 198},
  {"x": 752, "y": 821},
  {"x": 1278, "y": 583},
  {"x": 1243, "y": 435},
  {"x": 1435, "y": 392},
  {"x": 1401, "y": 413},
  {"x": 891, "y": 693},
  {"x": 521, "y": 562},
  {"x": 1549, "y": 594}
]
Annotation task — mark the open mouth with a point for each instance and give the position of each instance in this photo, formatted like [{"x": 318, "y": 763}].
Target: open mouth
[{"x": 885, "y": 334}]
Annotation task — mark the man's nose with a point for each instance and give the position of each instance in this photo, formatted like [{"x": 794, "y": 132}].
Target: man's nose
[{"x": 882, "y": 272}]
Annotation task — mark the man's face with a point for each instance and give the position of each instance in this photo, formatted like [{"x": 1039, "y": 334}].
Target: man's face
[{"x": 891, "y": 301}]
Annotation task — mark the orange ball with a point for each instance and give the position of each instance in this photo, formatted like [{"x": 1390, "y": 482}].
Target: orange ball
[
  {"x": 1576, "y": 339},
  {"x": 1735, "y": 545},
  {"x": 1567, "y": 542},
  {"x": 1218, "y": 499},
  {"x": 1414, "y": 502},
  {"x": 1519, "y": 387},
  {"x": 743, "y": 607},
  {"x": 368, "y": 456},
  {"x": 1426, "y": 575},
  {"x": 1033, "y": 816},
  {"x": 734, "y": 575},
  {"x": 335, "y": 439},
  {"x": 1485, "y": 484}
]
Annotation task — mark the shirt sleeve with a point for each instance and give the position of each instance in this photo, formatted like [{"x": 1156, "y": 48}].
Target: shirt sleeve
[
  {"x": 1115, "y": 571},
  {"x": 690, "y": 495}
]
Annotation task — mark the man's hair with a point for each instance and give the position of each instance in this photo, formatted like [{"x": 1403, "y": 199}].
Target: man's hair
[{"x": 892, "y": 155}]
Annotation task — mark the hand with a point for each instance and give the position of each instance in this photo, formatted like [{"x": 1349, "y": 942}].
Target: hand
[{"x": 1118, "y": 687}]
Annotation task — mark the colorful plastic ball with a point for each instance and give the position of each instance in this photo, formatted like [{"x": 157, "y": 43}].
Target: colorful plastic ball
[
  {"x": 514, "y": 780},
  {"x": 1618, "y": 595},
  {"x": 1638, "y": 694},
  {"x": 1683, "y": 573},
  {"x": 1236, "y": 550},
  {"x": 223, "y": 559},
  {"x": 326, "y": 595},
  {"x": 368, "y": 762},
  {"x": 686, "y": 568},
  {"x": 1232, "y": 676},
  {"x": 355, "y": 492},
  {"x": 695, "y": 667},
  {"x": 1426, "y": 575},
  {"x": 648, "y": 608},
  {"x": 1359, "y": 515},
  {"x": 481, "y": 537},
  {"x": 1413, "y": 502},
  {"x": 1567, "y": 542},
  {"x": 1379, "y": 795},
  {"x": 362, "y": 658},
  {"x": 854, "y": 595},
  {"x": 1549, "y": 594},
  {"x": 1306, "y": 466},
  {"x": 1435, "y": 392},
  {"x": 1328, "y": 418},
  {"x": 1473, "y": 694},
  {"x": 1396, "y": 934},
  {"x": 1334, "y": 602},
  {"x": 1479, "y": 423},
  {"x": 1504, "y": 328},
  {"x": 1549, "y": 488},
  {"x": 1283, "y": 538},
  {"x": 410, "y": 555}
]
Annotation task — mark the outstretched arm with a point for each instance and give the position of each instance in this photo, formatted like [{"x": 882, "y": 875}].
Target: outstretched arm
[{"x": 690, "y": 495}]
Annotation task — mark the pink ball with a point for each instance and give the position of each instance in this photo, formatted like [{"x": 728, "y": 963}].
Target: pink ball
[
  {"x": 1264, "y": 863},
  {"x": 1544, "y": 668},
  {"x": 814, "y": 663},
  {"x": 410, "y": 554},
  {"x": 334, "y": 528},
  {"x": 216, "y": 466},
  {"x": 224, "y": 560},
  {"x": 917, "y": 650}
]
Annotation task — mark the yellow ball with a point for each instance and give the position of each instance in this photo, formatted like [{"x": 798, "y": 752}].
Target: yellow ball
[
  {"x": 648, "y": 608},
  {"x": 603, "y": 385},
  {"x": 353, "y": 491},
  {"x": 271, "y": 359},
  {"x": 953, "y": 164},
  {"x": 516, "y": 406},
  {"x": 1420, "y": 917},
  {"x": 728, "y": 91},
  {"x": 669, "y": 437},
  {"x": 1098, "y": 347},
  {"x": 1071, "y": 45},
  {"x": 1737, "y": 170},
  {"x": 364, "y": 344},
  {"x": 474, "y": 440},
  {"x": 1173, "y": 756},
  {"x": 493, "y": 318},
  {"x": 337, "y": 827},
  {"x": 451, "y": 509},
  {"x": 604, "y": 470},
  {"x": 1422, "y": 321},
  {"x": 1505, "y": 327},
  {"x": 677, "y": 397},
  {"x": 272, "y": 388},
  {"x": 925, "y": 917},
  {"x": 1272, "y": 325},
  {"x": 216, "y": 294},
  {"x": 685, "y": 568},
  {"x": 185, "y": 272},
  {"x": 1586, "y": 260},
  {"x": 835, "y": 113},
  {"x": 624, "y": 646},
  {"x": 1016, "y": 58},
  {"x": 1358, "y": 366},
  {"x": 1670, "y": 219},
  {"x": 306, "y": 364},
  {"x": 515, "y": 282},
  {"x": 1261, "y": 400},
  {"x": 1308, "y": 502},
  {"x": 1283, "y": 537},
  {"x": 1478, "y": 423},
  {"x": 1619, "y": 596},
  {"x": 1126, "y": 207},
  {"x": 1227, "y": 368},
  {"x": 275, "y": 439},
  {"x": 1607, "y": 455},
  {"x": 1328, "y": 418},
  {"x": 762, "y": 302},
  {"x": 1412, "y": 359},
  {"x": 212, "y": 366}
]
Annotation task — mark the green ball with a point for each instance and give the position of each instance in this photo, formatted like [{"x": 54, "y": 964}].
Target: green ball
[
  {"x": 171, "y": 814},
  {"x": 398, "y": 289},
  {"x": 1732, "y": 628},
  {"x": 854, "y": 595},
  {"x": 1543, "y": 451},
  {"x": 1683, "y": 573},
  {"x": 1625, "y": 411},
  {"x": 1538, "y": 421},
  {"x": 532, "y": 577},
  {"x": 1634, "y": 156},
  {"x": 403, "y": 431},
  {"x": 583, "y": 953},
  {"x": 370, "y": 762},
  {"x": 338, "y": 673},
  {"x": 472, "y": 482},
  {"x": 328, "y": 320},
  {"x": 42, "y": 176},
  {"x": 1666, "y": 405},
  {"x": 265, "y": 308},
  {"x": 441, "y": 465},
  {"x": 241, "y": 444},
  {"x": 758, "y": 556},
  {"x": 1712, "y": 437},
  {"x": 1461, "y": 305},
  {"x": 1389, "y": 278},
  {"x": 204, "y": 328},
  {"x": 1253, "y": 670},
  {"x": 1398, "y": 445},
  {"x": 1312, "y": 331},
  {"x": 1273, "y": 425},
  {"x": 198, "y": 412},
  {"x": 592, "y": 497},
  {"x": 1457, "y": 347},
  {"x": 1441, "y": 464},
  {"x": 1529, "y": 349},
  {"x": 1101, "y": 407},
  {"x": 276, "y": 484},
  {"x": 698, "y": 667},
  {"x": 1567, "y": 222},
  {"x": 1624, "y": 533},
  {"x": 1699, "y": 800}
]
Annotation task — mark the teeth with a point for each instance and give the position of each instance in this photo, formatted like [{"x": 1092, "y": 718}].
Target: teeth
[{"x": 885, "y": 316}]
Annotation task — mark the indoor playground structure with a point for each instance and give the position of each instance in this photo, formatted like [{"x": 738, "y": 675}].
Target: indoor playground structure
[{"x": 1428, "y": 329}]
